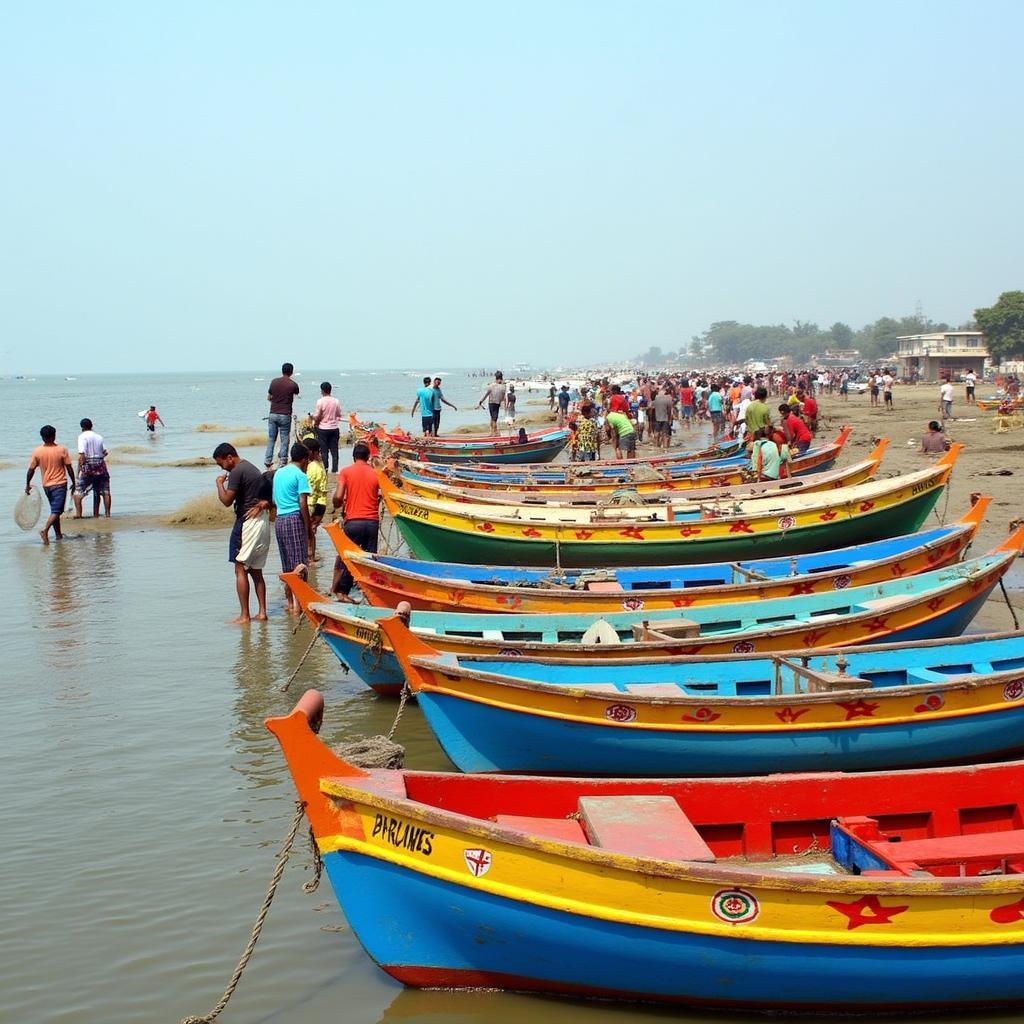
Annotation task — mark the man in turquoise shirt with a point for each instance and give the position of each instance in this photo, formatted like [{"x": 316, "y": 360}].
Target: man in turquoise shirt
[
  {"x": 715, "y": 411},
  {"x": 293, "y": 526},
  {"x": 425, "y": 403}
]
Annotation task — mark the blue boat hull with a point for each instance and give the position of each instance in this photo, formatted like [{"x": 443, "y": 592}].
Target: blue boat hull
[
  {"x": 479, "y": 737},
  {"x": 433, "y": 933}
]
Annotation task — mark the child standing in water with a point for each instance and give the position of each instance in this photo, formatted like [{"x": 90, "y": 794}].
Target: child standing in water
[{"x": 317, "y": 476}]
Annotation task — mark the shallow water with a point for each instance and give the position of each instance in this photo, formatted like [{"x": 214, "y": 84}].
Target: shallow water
[{"x": 143, "y": 798}]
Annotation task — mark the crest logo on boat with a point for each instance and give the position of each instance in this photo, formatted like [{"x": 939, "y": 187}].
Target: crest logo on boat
[
  {"x": 933, "y": 702},
  {"x": 620, "y": 713},
  {"x": 786, "y": 522},
  {"x": 842, "y": 582},
  {"x": 510, "y": 652},
  {"x": 1014, "y": 690},
  {"x": 478, "y": 861},
  {"x": 632, "y": 604},
  {"x": 743, "y": 647},
  {"x": 735, "y": 906}
]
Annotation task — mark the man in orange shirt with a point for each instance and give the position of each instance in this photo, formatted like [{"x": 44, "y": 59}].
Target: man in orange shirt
[
  {"x": 357, "y": 494},
  {"x": 54, "y": 462}
]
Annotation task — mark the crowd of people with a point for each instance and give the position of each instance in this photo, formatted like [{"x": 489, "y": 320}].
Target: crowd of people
[{"x": 732, "y": 406}]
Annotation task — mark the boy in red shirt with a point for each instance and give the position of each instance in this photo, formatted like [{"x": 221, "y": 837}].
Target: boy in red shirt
[
  {"x": 358, "y": 496},
  {"x": 809, "y": 407}
]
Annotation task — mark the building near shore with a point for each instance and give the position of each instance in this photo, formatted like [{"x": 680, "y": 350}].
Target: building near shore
[{"x": 942, "y": 354}]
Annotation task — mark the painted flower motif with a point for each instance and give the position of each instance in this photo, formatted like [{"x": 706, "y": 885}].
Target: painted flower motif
[
  {"x": 933, "y": 702},
  {"x": 485, "y": 527},
  {"x": 620, "y": 713},
  {"x": 735, "y": 906}
]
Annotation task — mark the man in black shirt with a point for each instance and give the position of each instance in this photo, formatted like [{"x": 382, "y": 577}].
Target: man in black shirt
[
  {"x": 280, "y": 395},
  {"x": 244, "y": 486}
]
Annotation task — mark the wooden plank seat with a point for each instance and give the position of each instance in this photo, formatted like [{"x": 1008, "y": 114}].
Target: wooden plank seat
[
  {"x": 568, "y": 830},
  {"x": 982, "y": 846},
  {"x": 642, "y": 826}
]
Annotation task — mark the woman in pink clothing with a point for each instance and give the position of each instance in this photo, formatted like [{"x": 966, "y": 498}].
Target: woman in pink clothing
[{"x": 327, "y": 420}]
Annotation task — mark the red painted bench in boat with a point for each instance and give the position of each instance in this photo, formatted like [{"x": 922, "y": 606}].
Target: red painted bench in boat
[
  {"x": 910, "y": 856},
  {"x": 642, "y": 826}
]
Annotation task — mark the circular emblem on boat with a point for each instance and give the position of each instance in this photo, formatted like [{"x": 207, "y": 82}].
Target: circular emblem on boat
[
  {"x": 620, "y": 713},
  {"x": 933, "y": 702},
  {"x": 735, "y": 906},
  {"x": 743, "y": 647},
  {"x": 510, "y": 652},
  {"x": 841, "y": 582},
  {"x": 632, "y": 604},
  {"x": 786, "y": 522},
  {"x": 1014, "y": 690}
]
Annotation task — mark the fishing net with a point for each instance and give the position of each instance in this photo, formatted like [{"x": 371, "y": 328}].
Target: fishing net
[{"x": 27, "y": 509}]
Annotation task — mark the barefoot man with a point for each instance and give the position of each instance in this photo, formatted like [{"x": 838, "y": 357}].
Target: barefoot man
[
  {"x": 241, "y": 485},
  {"x": 293, "y": 525},
  {"x": 54, "y": 462}
]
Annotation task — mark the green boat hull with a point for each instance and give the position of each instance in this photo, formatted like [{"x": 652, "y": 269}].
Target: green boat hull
[{"x": 437, "y": 544}]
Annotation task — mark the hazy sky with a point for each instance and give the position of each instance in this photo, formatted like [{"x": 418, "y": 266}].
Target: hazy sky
[{"x": 232, "y": 184}]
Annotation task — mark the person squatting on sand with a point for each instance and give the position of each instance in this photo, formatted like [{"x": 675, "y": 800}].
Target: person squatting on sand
[{"x": 244, "y": 486}]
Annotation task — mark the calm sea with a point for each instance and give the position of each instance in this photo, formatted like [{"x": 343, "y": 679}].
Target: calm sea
[{"x": 143, "y": 800}]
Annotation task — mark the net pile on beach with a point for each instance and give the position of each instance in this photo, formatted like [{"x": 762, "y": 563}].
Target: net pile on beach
[{"x": 27, "y": 509}]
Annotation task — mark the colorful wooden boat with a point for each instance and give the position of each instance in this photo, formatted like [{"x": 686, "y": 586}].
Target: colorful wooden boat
[
  {"x": 837, "y": 892},
  {"x": 670, "y": 472},
  {"x": 932, "y": 604},
  {"x": 537, "y": 448},
  {"x": 530, "y": 535},
  {"x": 438, "y": 586},
  {"x": 849, "y": 476},
  {"x": 903, "y": 705}
]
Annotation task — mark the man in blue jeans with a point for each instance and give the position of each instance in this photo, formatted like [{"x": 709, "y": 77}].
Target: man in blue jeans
[{"x": 280, "y": 395}]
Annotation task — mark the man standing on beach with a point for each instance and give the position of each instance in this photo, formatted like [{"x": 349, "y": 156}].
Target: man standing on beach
[
  {"x": 563, "y": 405},
  {"x": 293, "y": 525},
  {"x": 93, "y": 474},
  {"x": 969, "y": 381},
  {"x": 946, "y": 399},
  {"x": 241, "y": 484},
  {"x": 281, "y": 394},
  {"x": 425, "y": 403},
  {"x": 494, "y": 394},
  {"x": 327, "y": 422},
  {"x": 54, "y": 462},
  {"x": 664, "y": 410},
  {"x": 357, "y": 494},
  {"x": 440, "y": 400}
]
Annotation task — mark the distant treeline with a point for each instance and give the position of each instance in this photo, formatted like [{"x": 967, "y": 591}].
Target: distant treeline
[{"x": 730, "y": 343}]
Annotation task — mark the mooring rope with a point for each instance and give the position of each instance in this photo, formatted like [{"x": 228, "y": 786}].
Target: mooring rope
[
  {"x": 236, "y": 977},
  {"x": 316, "y": 636},
  {"x": 1006, "y": 596}
]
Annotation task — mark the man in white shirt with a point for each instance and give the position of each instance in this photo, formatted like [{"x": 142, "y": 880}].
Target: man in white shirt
[
  {"x": 969, "y": 381},
  {"x": 92, "y": 471},
  {"x": 946, "y": 399}
]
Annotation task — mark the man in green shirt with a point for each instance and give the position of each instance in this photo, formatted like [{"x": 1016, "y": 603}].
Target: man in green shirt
[
  {"x": 758, "y": 414},
  {"x": 619, "y": 429}
]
